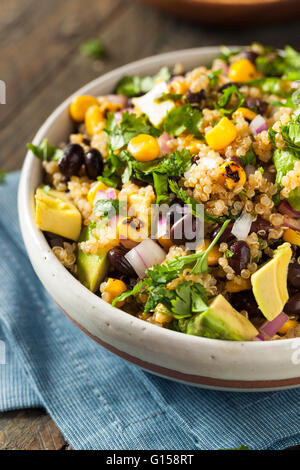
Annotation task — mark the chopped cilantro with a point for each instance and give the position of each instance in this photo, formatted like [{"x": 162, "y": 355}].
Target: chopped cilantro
[
  {"x": 275, "y": 63},
  {"x": 93, "y": 48},
  {"x": 226, "y": 97},
  {"x": 214, "y": 78},
  {"x": 229, "y": 253},
  {"x": 110, "y": 207},
  {"x": 137, "y": 288},
  {"x": 261, "y": 170},
  {"x": 134, "y": 85},
  {"x": 45, "y": 152},
  {"x": 226, "y": 53},
  {"x": 249, "y": 158},
  {"x": 183, "y": 118},
  {"x": 169, "y": 96}
]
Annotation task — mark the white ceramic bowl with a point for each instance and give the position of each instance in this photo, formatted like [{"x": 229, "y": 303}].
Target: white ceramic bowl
[{"x": 216, "y": 364}]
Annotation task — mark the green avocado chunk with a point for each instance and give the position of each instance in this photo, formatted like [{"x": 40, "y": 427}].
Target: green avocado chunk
[
  {"x": 91, "y": 269},
  {"x": 220, "y": 321}
]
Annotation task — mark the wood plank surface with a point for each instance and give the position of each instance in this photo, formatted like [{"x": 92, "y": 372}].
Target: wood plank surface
[{"x": 41, "y": 65}]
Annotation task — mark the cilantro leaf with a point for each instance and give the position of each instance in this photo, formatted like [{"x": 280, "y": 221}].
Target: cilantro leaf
[
  {"x": 93, "y": 48},
  {"x": 2, "y": 176},
  {"x": 110, "y": 207},
  {"x": 226, "y": 53},
  {"x": 249, "y": 158},
  {"x": 134, "y": 85},
  {"x": 183, "y": 118},
  {"x": 284, "y": 161},
  {"x": 44, "y": 151},
  {"x": 226, "y": 97},
  {"x": 131, "y": 125},
  {"x": 136, "y": 289},
  {"x": 169, "y": 96},
  {"x": 280, "y": 64}
]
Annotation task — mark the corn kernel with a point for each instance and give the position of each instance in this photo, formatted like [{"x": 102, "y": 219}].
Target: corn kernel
[
  {"x": 132, "y": 228},
  {"x": 221, "y": 135},
  {"x": 292, "y": 236},
  {"x": 111, "y": 289},
  {"x": 232, "y": 286},
  {"x": 178, "y": 87},
  {"x": 245, "y": 113},
  {"x": 94, "y": 120},
  {"x": 80, "y": 105},
  {"x": 289, "y": 324},
  {"x": 192, "y": 145},
  {"x": 165, "y": 241},
  {"x": 99, "y": 186},
  {"x": 144, "y": 148},
  {"x": 242, "y": 71},
  {"x": 213, "y": 255},
  {"x": 232, "y": 174}
]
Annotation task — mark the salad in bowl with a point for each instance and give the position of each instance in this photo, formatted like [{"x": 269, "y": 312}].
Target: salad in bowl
[{"x": 177, "y": 197}]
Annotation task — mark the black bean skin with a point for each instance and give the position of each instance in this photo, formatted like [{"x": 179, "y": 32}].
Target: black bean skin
[
  {"x": 260, "y": 224},
  {"x": 294, "y": 275},
  {"x": 250, "y": 55},
  {"x": 292, "y": 307},
  {"x": 226, "y": 236},
  {"x": 241, "y": 256},
  {"x": 56, "y": 240},
  {"x": 72, "y": 159},
  {"x": 116, "y": 257},
  {"x": 93, "y": 163},
  {"x": 185, "y": 230},
  {"x": 195, "y": 98},
  {"x": 245, "y": 300},
  {"x": 257, "y": 103}
]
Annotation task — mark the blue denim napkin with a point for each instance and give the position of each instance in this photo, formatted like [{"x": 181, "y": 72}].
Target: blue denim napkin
[{"x": 99, "y": 401}]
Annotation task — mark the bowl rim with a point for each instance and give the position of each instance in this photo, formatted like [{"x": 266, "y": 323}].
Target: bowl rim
[{"x": 25, "y": 201}]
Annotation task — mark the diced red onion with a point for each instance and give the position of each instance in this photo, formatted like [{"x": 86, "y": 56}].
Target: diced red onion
[
  {"x": 285, "y": 208},
  {"x": 241, "y": 226},
  {"x": 145, "y": 255},
  {"x": 259, "y": 337},
  {"x": 178, "y": 78},
  {"x": 220, "y": 64},
  {"x": 161, "y": 227},
  {"x": 163, "y": 143},
  {"x": 109, "y": 193},
  {"x": 258, "y": 124},
  {"x": 121, "y": 100},
  {"x": 270, "y": 328},
  {"x": 118, "y": 114},
  {"x": 291, "y": 223}
]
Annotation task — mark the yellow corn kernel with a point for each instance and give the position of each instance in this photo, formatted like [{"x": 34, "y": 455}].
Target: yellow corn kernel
[
  {"x": 213, "y": 255},
  {"x": 144, "y": 148},
  {"x": 232, "y": 286},
  {"x": 289, "y": 324},
  {"x": 165, "y": 241},
  {"x": 245, "y": 113},
  {"x": 94, "y": 120},
  {"x": 178, "y": 87},
  {"x": 292, "y": 236},
  {"x": 161, "y": 314},
  {"x": 221, "y": 135},
  {"x": 242, "y": 71},
  {"x": 99, "y": 186},
  {"x": 192, "y": 145},
  {"x": 111, "y": 289},
  {"x": 232, "y": 174},
  {"x": 80, "y": 105},
  {"x": 132, "y": 228}
]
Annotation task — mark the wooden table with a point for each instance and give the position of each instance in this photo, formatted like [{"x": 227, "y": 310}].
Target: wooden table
[{"x": 41, "y": 65}]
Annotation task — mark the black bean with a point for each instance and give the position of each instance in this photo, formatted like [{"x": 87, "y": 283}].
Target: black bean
[
  {"x": 261, "y": 227},
  {"x": 93, "y": 163},
  {"x": 56, "y": 240},
  {"x": 175, "y": 212},
  {"x": 294, "y": 274},
  {"x": 72, "y": 159},
  {"x": 256, "y": 103},
  {"x": 185, "y": 230},
  {"x": 292, "y": 307},
  {"x": 250, "y": 55},
  {"x": 241, "y": 256},
  {"x": 138, "y": 182},
  {"x": 226, "y": 236},
  {"x": 195, "y": 98},
  {"x": 245, "y": 300},
  {"x": 116, "y": 257}
]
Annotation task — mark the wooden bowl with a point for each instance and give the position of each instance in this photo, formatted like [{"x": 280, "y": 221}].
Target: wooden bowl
[{"x": 227, "y": 12}]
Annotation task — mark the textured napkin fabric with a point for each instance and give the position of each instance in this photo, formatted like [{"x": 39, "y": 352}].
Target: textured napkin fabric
[{"x": 99, "y": 401}]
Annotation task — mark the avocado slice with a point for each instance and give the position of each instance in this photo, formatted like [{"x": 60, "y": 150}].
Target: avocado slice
[
  {"x": 55, "y": 213},
  {"x": 269, "y": 283},
  {"x": 220, "y": 321},
  {"x": 91, "y": 269}
]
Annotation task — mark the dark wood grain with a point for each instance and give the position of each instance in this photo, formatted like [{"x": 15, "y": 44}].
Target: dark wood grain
[{"x": 41, "y": 65}]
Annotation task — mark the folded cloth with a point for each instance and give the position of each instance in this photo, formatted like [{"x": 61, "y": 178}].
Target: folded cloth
[{"x": 99, "y": 401}]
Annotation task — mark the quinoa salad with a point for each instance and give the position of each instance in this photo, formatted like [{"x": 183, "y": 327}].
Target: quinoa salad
[{"x": 177, "y": 197}]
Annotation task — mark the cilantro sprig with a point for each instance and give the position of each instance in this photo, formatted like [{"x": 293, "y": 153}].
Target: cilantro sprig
[
  {"x": 135, "y": 85},
  {"x": 110, "y": 207},
  {"x": 227, "y": 95},
  {"x": 183, "y": 118},
  {"x": 45, "y": 152}
]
